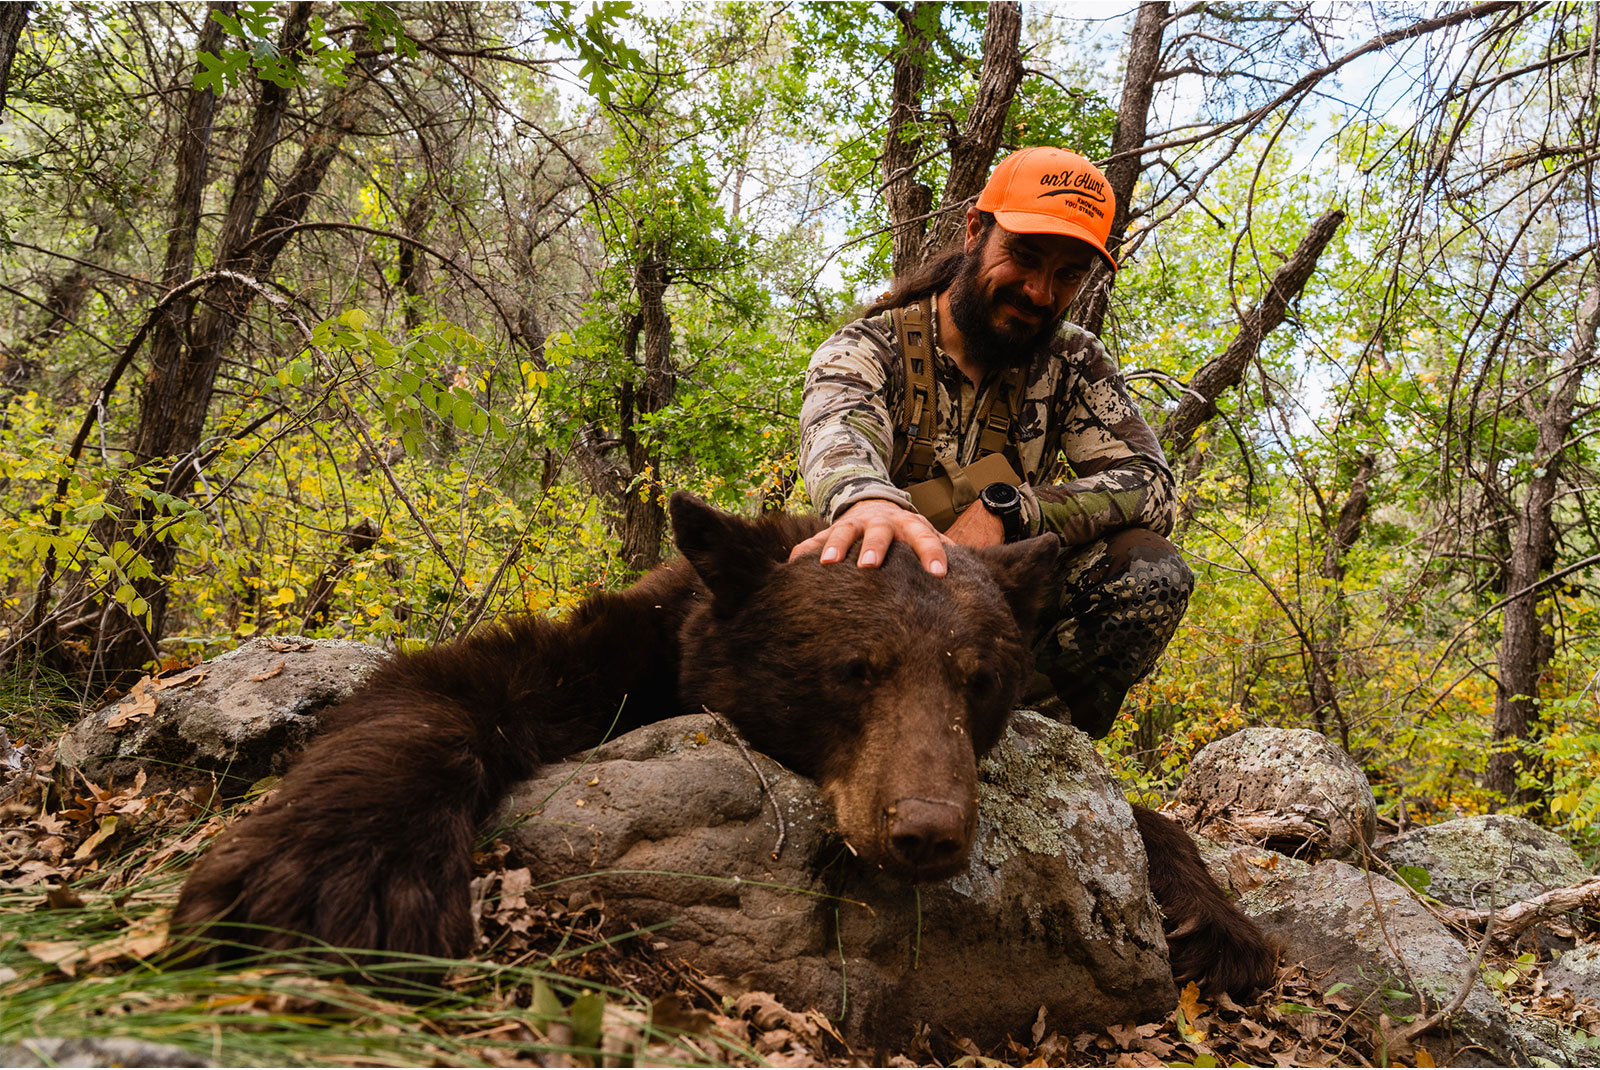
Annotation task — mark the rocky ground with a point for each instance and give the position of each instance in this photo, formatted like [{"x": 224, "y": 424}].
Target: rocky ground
[{"x": 693, "y": 922}]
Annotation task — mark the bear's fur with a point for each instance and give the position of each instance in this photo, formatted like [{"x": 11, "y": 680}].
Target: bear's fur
[{"x": 884, "y": 685}]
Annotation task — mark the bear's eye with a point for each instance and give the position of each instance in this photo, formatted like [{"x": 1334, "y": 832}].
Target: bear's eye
[
  {"x": 983, "y": 683},
  {"x": 856, "y": 672}
]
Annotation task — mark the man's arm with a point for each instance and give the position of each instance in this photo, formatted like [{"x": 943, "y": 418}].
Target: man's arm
[
  {"x": 1122, "y": 476},
  {"x": 846, "y": 444}
]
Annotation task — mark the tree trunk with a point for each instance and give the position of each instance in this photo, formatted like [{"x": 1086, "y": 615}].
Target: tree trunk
[
  {"x": 1222, "y": 373},
  {"x": 1123, "y": 170},
  {"x": 185, "y": 363},
  {"x": 1523, "y": 654},
  {"x": 13, "y": 17},
  {"x": 1330, "y": 634},
  {"x": 644, "y": 516},
  {"x": 908, "y": 200},
  {"x": 412, "y": 268},
  {"x": 915, "y": 237},
  {"x": 973, "y": 149}
]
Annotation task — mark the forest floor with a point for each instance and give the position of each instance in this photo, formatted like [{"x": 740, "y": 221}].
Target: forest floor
[{"x": 89, "y": 875}]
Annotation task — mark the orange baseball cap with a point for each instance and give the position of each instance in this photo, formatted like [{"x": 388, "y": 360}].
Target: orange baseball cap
[{"x": 1045, "y": 190}]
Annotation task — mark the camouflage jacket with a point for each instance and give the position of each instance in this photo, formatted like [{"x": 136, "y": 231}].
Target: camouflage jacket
[{"x": 1076, "y": 411}]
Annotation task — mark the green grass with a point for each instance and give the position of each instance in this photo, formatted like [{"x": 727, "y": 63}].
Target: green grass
[{"x": 88, "y": 964}]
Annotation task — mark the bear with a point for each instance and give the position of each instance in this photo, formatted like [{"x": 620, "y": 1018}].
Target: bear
[{"x": 884, "y": 685}]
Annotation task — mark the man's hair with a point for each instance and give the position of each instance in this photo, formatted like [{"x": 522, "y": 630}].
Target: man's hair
[{"x": 934, "y": 276}]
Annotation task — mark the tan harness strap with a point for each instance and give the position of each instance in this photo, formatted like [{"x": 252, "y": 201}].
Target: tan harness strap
[
  {"x": 921, "y": 413},
  {"x": 1005, "y": 401}
]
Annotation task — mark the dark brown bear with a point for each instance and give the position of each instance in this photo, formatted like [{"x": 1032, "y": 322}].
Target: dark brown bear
[{"x": 885, "y": 685}]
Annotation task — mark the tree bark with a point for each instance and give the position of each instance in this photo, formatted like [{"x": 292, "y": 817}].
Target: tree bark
[
  {"x": 1222, "y": 373},
  {"x": 644, "y": 516},
  {"x": 412, "y": 268},
  {"x": 908, "y": 200},
  {"x": 13, "y": 17},
  {"x": 185, "y": 363},
  {"x": 1330, "y": 634},
  {"x": 914, "y": 234},
  {"x": 1523, "y": 655},
  {"x": 1122, "y": 173},
  {"x": 973, "y": 149}
]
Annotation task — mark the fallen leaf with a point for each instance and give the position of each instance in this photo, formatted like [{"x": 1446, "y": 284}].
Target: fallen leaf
[
  {"x": 139, "y": 702},
  {"x": 1124, "y": 1035},
  {"x": 62, "y": 954},
  {"x": 62, "y": 898},
  {"x": 1038, "y": 1026},
  {"x": 108, "y": 825},
  {"x": 1189, "y": 1002},
  {"x": 143, "y": 939},
  {"x": 258, "y": 677},
  {"x": 286, "y": 646}
]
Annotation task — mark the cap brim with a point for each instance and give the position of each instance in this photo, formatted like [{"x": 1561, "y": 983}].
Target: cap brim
[{"x": 1040, "y": 223}]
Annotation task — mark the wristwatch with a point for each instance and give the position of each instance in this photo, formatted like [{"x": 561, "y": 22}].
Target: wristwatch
[{"x": 1005, "y": 502}]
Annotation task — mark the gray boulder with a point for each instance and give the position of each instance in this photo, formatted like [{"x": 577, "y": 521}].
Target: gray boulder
[
  {"x": 669, "y": 826},
  {"x": 1285, "y": 771},
  {"x": 1577, "y": 971},
  {"x": 238, "y": 717},
  {"x": 1239, "y": 868},
  {"x": 96, "y": 1051},
  {"x": 1370, "y": 933},
  {"x": 1468, "y": 856}
]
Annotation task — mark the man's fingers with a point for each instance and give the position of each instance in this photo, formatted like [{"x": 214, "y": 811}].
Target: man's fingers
[
  {"x": 813, "y": 543},
  {"x": 875, "y": 543},
  {"x": 839, "y": 539},
  {"x": 877, "y": 526},
  {"x": 929, "y": 545}
]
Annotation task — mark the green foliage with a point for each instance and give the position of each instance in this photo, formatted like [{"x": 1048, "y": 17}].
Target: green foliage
[
  {"x": 596, "y": 42},
  {"x": 255, "y": 25}
]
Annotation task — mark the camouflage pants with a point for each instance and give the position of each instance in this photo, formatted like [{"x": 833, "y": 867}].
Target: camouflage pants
[{"x": 1120, "y": 601}]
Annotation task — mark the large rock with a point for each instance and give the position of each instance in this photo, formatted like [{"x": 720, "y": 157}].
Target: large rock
[
  {"x": 1468, "y": 856},
  {"x": 238, "y": 717},
  {"x": 1577, "y": 971},
  {"x": 669, "y": 825},
  {"x": 1370, "y": 933},
  {"x": 96, "y": 1051},
  {"x": 1286, "y": 771}
]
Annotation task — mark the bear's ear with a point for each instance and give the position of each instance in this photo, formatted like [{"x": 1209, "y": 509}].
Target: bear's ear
[
  {"x": 1026, "y": 574},
  {"x": 733, "y": 556}
]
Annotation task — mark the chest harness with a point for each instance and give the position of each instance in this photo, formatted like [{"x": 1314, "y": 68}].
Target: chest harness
[{"x": 940, "y": 488}]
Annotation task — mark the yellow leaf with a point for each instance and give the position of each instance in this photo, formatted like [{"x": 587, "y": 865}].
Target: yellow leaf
[{"x": 108, "y": 825}]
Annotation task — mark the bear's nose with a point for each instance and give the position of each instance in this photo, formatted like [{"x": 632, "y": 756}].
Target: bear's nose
[{"x": 926, "y": 835}]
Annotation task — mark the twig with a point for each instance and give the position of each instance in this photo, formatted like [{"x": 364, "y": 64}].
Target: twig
[
  {"x": 777, "y": 809},
  {"x": 1517, "y": 918}
]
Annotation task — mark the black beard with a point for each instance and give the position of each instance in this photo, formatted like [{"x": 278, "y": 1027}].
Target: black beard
[{"x": 989, "y": 347}]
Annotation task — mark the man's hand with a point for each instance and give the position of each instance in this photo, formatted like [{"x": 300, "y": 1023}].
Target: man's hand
[
  {"x": 876, "y": 523},
  {"x": 977, "y": 527}
]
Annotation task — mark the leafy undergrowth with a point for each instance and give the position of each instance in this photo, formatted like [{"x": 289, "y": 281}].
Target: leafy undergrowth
[{"x": 89, "y": 876}]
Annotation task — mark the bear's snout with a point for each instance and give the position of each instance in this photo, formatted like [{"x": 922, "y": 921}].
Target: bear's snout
[{"x": 928, "y": 838}]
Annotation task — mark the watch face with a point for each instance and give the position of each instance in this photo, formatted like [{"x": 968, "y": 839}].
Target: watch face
[{"x": 1000, "y": 495}]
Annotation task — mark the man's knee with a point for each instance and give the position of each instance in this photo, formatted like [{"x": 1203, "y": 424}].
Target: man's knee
[
  {"x": 1122, "y": 600},
  {"x": 1142, "y": 553}
]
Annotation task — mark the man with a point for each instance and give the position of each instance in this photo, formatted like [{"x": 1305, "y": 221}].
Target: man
[{"x": 995, "y": 308}]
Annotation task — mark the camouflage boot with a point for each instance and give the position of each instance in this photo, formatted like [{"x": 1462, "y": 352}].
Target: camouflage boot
[{"x": 1121, "y": 599}]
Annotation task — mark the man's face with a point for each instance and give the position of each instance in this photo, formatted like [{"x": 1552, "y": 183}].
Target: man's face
[{"x": 1012, "y": 292}]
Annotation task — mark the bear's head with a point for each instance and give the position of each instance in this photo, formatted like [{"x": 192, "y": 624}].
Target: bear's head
[{"x": 885, "y": 685}]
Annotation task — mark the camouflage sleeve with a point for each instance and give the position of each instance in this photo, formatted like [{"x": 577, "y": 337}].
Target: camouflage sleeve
[
  {"x": 846, "y": 433},
  {"x": 1122, "y": 476}
]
